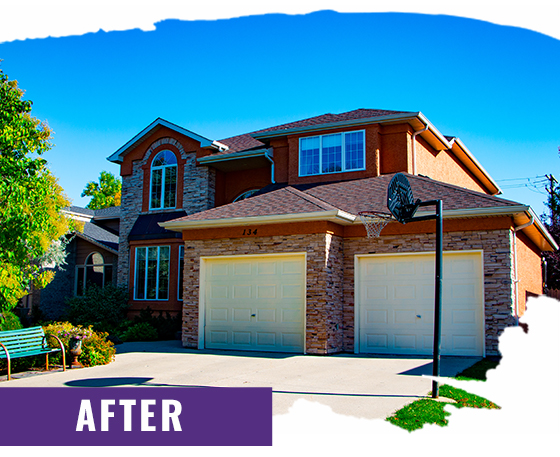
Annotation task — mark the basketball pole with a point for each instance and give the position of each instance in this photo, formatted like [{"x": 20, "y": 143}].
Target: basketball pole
[{"x": 438, "y": 285}]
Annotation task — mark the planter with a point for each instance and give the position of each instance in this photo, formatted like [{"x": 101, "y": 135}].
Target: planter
[{"x": 74, "y": 350}]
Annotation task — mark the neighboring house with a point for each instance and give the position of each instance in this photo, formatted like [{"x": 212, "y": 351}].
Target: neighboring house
[
  {"x": 92, "y": 258},
  {"x": 255, "y": 239}
]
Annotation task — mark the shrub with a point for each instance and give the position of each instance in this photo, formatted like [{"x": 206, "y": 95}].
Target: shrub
[
  {"x": 141, "y": 331},
  {"x": 166, "y": 327},
  {"x": 9, "y": 321},
  {"x": 103, "y": 308},
  {"x": 96, "y": 350}
]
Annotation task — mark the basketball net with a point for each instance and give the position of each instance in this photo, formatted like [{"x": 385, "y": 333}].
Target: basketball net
[{"x": 374, "y": 222}]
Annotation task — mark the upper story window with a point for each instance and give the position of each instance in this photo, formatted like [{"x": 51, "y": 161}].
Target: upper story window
[
  {"x": 163, "y": 188},
  {"x": 335, "y": 153}
]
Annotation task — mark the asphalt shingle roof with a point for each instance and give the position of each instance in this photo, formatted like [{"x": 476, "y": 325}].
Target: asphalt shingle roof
[
  {"x": 100, "y": 235},
  {"x": 246, "y": 141},
  {"x": 349, "y": 196}
]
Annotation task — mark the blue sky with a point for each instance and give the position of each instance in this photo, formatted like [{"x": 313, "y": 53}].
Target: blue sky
[{"x": 495, "y": 87}]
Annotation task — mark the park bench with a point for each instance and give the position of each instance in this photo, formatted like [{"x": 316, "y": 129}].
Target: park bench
[{"x": 27, "y": 342}]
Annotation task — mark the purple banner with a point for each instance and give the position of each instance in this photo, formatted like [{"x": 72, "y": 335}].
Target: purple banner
[{"x": 135, "y": 416}]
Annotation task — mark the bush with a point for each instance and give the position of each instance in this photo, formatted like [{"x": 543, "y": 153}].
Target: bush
[
  {"x": 103, "y": 308},
  {"x": 166, "y": 327},
  {"x": 96, "y": 350},
  {"x": 142, "y": 331},
  {"x": 9, "y": 321}
]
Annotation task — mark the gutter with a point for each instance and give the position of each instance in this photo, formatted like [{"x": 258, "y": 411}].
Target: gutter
[
  {"x": 232, "y": 156},
  {"x": 515, "y": 271},
  {"x": 269, "y": 154},
  {"x": 341, "y": 217}
]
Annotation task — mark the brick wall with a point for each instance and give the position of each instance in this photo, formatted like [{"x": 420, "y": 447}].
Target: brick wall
[
  {"x": 324, "y": 282},
  {"x": 330, "y": 278},
  {"x": 498, "y": 280},
  {"x": 198, "y": 195}
]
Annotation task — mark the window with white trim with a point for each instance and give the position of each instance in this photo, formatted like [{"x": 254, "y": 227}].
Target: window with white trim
[
  {"x": 94, "y": 271},
  {"x": 163, "y": 182},
  {"x": 334, "y": 153},
  {"x": 151, "y": 273},
  {"x": 181, "y": 270}
]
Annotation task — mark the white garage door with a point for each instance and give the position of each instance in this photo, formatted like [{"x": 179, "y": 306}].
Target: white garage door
[
  {"x": 396, "y": 304},
  {"x": 255, "y": 303}
]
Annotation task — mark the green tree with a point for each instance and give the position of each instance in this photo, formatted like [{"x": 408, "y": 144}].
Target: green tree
[
  {"x": 105, "y": 193},
  {"x": 32, "y": 227},
  {"x": 551, "y": 219}
]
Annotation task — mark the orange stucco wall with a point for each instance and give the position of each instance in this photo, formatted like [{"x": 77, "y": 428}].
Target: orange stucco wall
[
  {"x": 348, "y": 231},
  {"x": 529, "y": 270},
  {"x": 232, "y": 184},
  {"x": 443, "y": 166}
]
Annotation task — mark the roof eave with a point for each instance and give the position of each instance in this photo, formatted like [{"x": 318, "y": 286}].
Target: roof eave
[
  {"x": 521, "y": 214},
  {"x": 338, "y": 216},
  {"x": 117, "y": 156},
  {"x": 333, "y": 125},
  {"x": 459, "y": 149},
  {"x": 233, "y": 156},
  {"x": 96, "y": 243}
]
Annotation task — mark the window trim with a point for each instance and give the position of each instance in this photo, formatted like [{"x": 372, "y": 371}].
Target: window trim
[
  {"x": 134, "y": 295},
  {"x": 343, "y": 153},
  {"x": 162, "y": 187}
]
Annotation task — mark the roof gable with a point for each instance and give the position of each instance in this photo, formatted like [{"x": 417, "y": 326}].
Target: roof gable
[{"x": 117, "y": 156}]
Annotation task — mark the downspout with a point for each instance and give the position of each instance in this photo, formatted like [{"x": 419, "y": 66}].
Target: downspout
[
  {"x": 269, "y": 157},
  {"x": 414, "y": 147},
  {"x": 516, "y": 273}
]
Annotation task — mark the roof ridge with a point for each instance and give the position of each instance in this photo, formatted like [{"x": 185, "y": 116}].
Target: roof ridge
[{"x": 311, "y": 199}]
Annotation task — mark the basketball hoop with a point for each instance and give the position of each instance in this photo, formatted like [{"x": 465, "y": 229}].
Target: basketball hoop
[{"x": 374, "y": 221}]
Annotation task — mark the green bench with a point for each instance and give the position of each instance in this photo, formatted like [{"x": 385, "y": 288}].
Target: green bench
[{"x": 27, "y": 342}]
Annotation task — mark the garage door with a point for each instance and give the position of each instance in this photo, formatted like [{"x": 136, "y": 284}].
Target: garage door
[
  {"x": 255, "y": 303},
  {"x": 396, "y": 304}
]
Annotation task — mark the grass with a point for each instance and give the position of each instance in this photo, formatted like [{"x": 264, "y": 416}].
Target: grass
[{"x": 427, "y": 411}]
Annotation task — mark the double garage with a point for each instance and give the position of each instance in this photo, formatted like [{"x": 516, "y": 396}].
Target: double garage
[{"x": 258, "y": 303}]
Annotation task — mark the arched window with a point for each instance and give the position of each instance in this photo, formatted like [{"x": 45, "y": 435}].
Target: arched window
[
  {"x": 163, "y": 184},
  {"x": 94, "y": 271},
  {"x": 245, "y": 195}
]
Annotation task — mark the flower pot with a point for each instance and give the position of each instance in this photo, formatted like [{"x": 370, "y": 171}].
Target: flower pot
[{"x": 74, "y": 349}]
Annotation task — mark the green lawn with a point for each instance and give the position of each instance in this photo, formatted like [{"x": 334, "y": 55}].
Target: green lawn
[{"x": 428, "y": 411}]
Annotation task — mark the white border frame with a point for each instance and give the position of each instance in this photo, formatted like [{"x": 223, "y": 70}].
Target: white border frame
[
  {"x": 202, "y": 289},
  {"x": 357, "y": 298}
]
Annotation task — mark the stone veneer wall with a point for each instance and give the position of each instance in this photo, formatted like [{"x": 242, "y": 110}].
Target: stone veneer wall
[
  {"x": 498, "y": 279},
  {"x": 324, "y": 282},
  {"x": 198, "y": 195}
]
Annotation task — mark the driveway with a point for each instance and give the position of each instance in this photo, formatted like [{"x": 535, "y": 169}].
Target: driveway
[{"x": 356, "y": 385}]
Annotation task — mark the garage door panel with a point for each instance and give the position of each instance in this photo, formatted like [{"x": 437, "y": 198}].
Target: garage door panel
[
  {"x": 255, "y": 303},
  {"x": 406, "y": 296},
  {"x": 218, "y": 315},
  {"x": 242, "y": 292}
]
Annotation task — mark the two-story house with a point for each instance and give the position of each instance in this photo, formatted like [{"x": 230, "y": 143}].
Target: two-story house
[{"x": 255, "y": 239}]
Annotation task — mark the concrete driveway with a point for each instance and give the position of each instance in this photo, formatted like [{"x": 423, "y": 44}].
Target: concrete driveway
[{"x": 356, "y": 385}]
